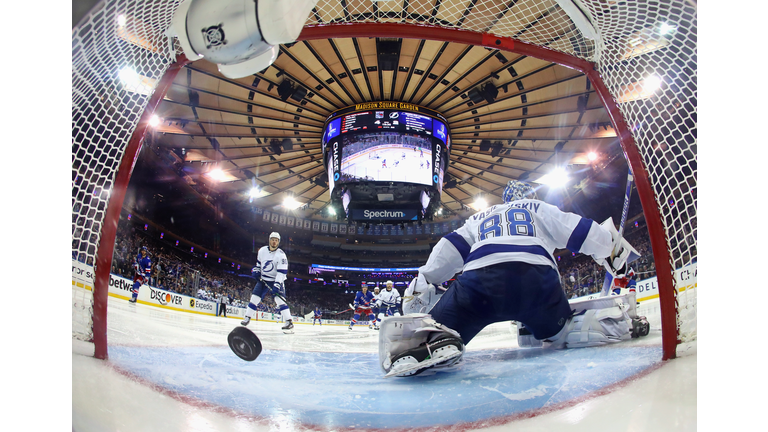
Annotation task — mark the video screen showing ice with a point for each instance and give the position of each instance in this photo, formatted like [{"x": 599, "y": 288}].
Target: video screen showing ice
[{"x": 384, "y": 156}]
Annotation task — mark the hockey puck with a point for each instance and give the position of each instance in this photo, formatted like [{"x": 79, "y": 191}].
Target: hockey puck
[{"x": 244, "y": 343}]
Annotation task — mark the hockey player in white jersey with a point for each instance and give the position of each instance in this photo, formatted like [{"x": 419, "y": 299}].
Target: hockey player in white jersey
[
  {"x": 389, "y": 301},
  {"x": 508, "y": 273},
  {"x": 271, "y": 271}
]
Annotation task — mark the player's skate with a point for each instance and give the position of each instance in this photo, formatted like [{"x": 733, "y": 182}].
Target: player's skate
[
  {"x": 132, "y": 300},
  {"x": 245, "y": 321},
  {"x": 288, "y": 327},
  {"x": 412, "y": 344}
]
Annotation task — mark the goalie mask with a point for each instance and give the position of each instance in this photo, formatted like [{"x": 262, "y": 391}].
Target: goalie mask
[{"x": 517, "y": 190}]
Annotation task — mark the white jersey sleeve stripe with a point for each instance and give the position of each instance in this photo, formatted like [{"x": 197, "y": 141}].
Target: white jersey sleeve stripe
[
  {"x": 460, "y": 244},
  {"x": 490, "y": 249},
  {"x": 579, "y": 235}
]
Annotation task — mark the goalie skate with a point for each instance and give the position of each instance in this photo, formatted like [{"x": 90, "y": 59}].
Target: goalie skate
[
  {"x": 441, "y": 353},
  {"x": 244, "y": 343}
]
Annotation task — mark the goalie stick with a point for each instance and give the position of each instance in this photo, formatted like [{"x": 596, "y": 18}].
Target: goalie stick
[{"x": 624, "y": 211}]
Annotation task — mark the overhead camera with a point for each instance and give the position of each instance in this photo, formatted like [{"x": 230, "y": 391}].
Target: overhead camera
[{"x": 241, "y": 36}]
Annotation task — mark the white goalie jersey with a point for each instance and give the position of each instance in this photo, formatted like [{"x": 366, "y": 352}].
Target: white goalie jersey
[{"x": 523, "y": 230}]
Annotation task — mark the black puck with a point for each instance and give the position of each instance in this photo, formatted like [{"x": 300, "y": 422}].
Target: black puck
[{"x": 244, "y": 343}]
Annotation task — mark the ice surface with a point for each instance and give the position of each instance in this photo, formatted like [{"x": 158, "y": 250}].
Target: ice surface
[{"x": 174, "y": 370}]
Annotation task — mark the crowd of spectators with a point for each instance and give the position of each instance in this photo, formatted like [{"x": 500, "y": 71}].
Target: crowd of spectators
[{"x": 184, "y": 272}]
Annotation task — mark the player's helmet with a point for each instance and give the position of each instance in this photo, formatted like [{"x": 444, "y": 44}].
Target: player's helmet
[
  {"x": 275, "y": 235},
  {"x": 517, "y": 190}
]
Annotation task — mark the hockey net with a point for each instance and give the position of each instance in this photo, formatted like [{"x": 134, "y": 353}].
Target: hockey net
[
  {"x": 644, "y": 55},
  {"x": 119, "y": 54}
]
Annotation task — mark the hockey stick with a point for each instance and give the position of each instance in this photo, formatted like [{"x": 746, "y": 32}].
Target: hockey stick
[
  {"x": 278, "y": 295},
  {"x": 339, "y": 313},
  {"x": 624, "y": 211}
]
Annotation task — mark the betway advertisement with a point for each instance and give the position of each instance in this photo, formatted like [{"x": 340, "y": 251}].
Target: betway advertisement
[{"x": 120, "y": 287}]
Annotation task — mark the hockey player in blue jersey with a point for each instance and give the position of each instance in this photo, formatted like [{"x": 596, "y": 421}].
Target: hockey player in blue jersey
[
  {"x": 375, "y": 308},
  {"x": 143, "y": 268},
  {"x": 508, "y": 273},
  {"x": 363, "y": 303},
  {"x": 318, "y": 316},
  {"x": 271, "y": 271}
]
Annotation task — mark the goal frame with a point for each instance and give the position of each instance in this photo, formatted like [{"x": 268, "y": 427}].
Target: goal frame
[{"x": 658, "y": 237}]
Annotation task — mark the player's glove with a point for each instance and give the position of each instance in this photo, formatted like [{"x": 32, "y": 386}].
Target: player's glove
[
  {"x": 256, "y": 272},
  {"x": 278, "y": 289},
  {"x": 420, "y": 296}
]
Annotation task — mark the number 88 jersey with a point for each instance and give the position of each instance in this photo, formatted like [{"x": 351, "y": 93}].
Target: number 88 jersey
[{"x": 525, "y": 230}]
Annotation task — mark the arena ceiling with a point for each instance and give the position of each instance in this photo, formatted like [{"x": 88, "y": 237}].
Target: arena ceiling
[{"x": 265, "y": 129}]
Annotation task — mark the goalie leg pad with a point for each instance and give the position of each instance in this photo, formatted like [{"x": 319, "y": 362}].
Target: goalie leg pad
[
  {"x": 405, "y": 339},
  {"x": 525, "y": 338},
  {"x": 594, "y": 327}
]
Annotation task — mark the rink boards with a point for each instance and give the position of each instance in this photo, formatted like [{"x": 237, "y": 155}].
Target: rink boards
[{"x": 120, "y": 287}]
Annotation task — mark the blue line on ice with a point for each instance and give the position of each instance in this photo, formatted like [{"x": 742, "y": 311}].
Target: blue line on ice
[{"x": 347, "y": 390}]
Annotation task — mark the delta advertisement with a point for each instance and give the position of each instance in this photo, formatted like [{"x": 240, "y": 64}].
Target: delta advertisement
[{"x": 649, "y": 288}]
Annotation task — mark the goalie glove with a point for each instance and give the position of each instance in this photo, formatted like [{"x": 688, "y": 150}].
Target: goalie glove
[
  {"x": 617, "y": 264},
  {"x": 420, "y": 296}
]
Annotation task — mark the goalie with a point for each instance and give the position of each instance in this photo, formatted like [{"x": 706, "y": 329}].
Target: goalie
[{"x": 508, "y": 273}]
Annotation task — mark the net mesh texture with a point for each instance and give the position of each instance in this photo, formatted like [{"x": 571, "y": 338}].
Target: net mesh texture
[{"x": 645, "y": 51}]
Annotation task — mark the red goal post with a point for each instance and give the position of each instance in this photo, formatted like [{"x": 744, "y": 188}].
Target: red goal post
[{"x": 621, "y": 44}]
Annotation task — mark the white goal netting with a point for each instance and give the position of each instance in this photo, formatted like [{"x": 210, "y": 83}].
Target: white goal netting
[
  {"x": 119, "y": 53},
  {"x": 644, "y": 51}
]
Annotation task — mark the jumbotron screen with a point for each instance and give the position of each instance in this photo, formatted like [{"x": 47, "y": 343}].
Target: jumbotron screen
[{"x": 386, "y": 142}]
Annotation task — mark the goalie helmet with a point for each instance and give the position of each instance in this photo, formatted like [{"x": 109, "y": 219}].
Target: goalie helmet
[{"x": 517, "y": 190}]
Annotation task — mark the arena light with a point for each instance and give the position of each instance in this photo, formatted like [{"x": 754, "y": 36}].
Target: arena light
[
  {"x": 652, "y": 83},
  {"x": 666, "y": 29},
  {"x": 154, "y": 120},
  {"x": 556, "y": 178},
  {"x": 135, "y": 82},
  {"x": 592, "y": 156},
  {"x": 121, "y": 20},
  {"x": 640, "y": 90},
  {"x": 480, "y": 204},
  {"x": 331, "y": 211},
  {"x": 291, "y": 203},
  {"x": 216, "y": 174},
  {"x": 254, "y": 192}
]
